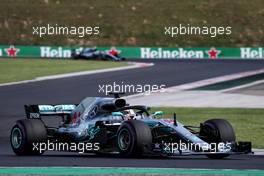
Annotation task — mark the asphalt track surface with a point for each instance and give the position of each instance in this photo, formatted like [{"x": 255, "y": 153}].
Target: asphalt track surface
[{"x": 74, "y": 89}]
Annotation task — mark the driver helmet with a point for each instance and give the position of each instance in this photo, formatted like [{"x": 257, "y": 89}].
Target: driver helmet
[{"x": 129, "y": 114}]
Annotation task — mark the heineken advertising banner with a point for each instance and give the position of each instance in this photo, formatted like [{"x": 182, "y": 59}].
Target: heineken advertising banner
[{"x": 136, "y": 52}]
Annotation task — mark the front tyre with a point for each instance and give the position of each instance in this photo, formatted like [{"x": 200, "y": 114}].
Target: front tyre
[
  {"x": 216, "y": 131},
  {"x": 25, "y": 133},
  {"x": 133, "y": 138}
]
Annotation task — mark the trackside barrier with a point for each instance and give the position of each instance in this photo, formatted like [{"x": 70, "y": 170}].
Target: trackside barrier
[{"x": 20, "y": 51}]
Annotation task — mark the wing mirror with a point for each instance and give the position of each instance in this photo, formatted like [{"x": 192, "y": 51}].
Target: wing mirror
[{"x": 117, "y": 114}]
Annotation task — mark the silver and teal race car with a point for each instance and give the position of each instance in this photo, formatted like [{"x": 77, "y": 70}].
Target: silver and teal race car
[
  {"x": 95, "y": 54},
  {"x": 110, "y": 125}
]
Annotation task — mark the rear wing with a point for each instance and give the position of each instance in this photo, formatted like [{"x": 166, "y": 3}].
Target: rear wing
[{"x": 36, "y": 111}]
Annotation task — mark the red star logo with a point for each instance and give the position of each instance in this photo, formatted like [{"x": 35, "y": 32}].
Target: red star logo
[
  {"x": 113, "y": 51},
  {"x": 12, "y": 51},
  {"x": 213, "y": 53}
]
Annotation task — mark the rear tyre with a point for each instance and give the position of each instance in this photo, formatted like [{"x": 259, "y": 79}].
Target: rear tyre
[
  {"x": 134, "y": 138},
  {"x": 25, "y": 133},
  {"x": 216, "y": 131}
]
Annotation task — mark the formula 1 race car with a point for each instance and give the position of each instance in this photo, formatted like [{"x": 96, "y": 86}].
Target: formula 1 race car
[
  {"x": 94, "y": 53},
  {"x": 110, "y": 125}
]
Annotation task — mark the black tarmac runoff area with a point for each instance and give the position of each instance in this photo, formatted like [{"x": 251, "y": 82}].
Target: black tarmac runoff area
[{"x": 74, "y": 89}]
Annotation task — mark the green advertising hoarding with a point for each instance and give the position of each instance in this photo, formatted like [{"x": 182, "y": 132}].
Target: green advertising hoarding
[{"x": 136, "y": 52}]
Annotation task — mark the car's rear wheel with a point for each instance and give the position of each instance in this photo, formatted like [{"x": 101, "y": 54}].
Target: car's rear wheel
[
  {"x": 216, "y": 131},
  {"x": 134, "y": 138},
  {"x": 25, "y": 133}
]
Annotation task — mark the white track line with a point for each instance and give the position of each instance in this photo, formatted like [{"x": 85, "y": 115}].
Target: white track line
[
  {"x": 177, "y": 96},
  {"x": 207, "y": 82},
  {"x": 243, "y": 86},
  {"x": 215, "y": 80},
  {"x": 132, "y": 65},
  {"x": 258, "y": 151}
]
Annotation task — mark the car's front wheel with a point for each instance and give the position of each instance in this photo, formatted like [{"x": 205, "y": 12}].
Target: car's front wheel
[
  {"x": 217, "y": 131},
  {"x": 133, "y": 138},
  {"x": 25, "y": 133}
]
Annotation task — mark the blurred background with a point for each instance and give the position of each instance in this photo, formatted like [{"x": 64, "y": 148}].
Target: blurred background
[{"x": 133, "y": 23}]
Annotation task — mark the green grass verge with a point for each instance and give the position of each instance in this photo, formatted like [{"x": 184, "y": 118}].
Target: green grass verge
[
  {"x": 25, "y": 69},
  {"x": 248, "y": 123},
  {"x": 133, "y": 23}
]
